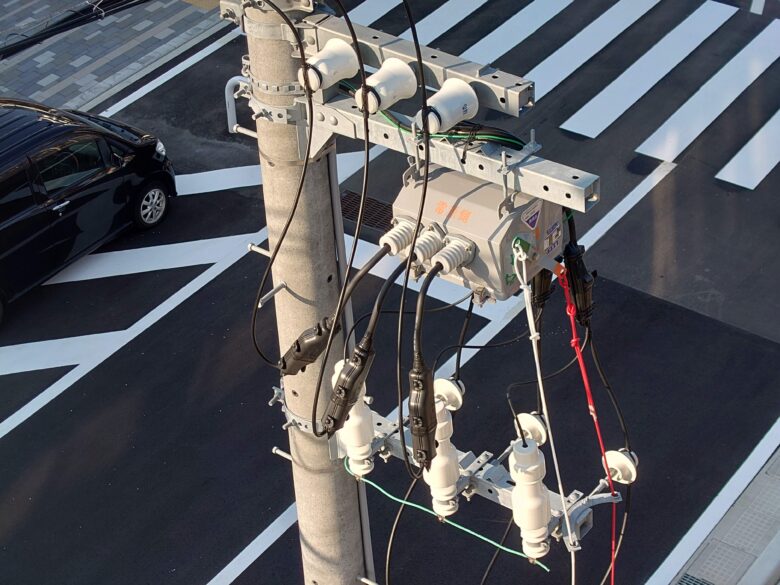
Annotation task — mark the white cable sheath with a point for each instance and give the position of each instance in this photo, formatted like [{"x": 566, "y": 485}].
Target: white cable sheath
[{"x": 522, "y": 275}]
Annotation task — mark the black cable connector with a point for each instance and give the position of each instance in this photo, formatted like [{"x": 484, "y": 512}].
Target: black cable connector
[
  {"x": 422, "y": 413},
  {"x": 347, "y": 388},
  {"x": 307, "y": 348},
  {"x": 581, "y": 282},
  {"x": 541, "y": 288}
]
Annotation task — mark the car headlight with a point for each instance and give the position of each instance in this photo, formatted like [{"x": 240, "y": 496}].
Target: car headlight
[{"x": 160, "y": 148}]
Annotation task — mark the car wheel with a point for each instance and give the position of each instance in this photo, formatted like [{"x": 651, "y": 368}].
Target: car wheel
[{"x": 150, "y": 206}]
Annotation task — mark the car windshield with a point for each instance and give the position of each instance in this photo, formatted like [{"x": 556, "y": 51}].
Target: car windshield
[{"x": 120, "y": 131}]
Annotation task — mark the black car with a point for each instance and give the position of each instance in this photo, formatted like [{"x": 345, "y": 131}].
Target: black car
[{"x": 69, "y": 182}]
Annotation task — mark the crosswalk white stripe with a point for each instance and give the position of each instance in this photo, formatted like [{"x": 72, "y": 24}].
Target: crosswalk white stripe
[
  {"x": 685, "y": 125},
  {"x": 589, "y": 41},
  {"x": 210, "y": 181},
  {"x": 442, "y": 19},
  {"x": 592, "y": 119},
  {"x": 757, "y": 6},
  {"x": 372, "y": 10},
  {"x": 756, "y": 159},
  {"x": 515, "y": 30}
]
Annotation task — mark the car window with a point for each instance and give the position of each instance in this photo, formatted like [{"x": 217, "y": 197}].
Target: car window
[
  {"x": 70, "y": 164},
  {"x": 15, "y": 194}
]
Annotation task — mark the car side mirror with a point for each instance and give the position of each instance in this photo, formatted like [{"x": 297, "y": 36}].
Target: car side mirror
[{"x": 119, "y": 161}]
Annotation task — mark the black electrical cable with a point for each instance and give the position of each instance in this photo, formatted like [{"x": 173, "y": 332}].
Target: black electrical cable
[
  {"x": 485, "y": 346},
  {"x": 418, "y": 316},
  {"x": 423, "y": 194},
  {"x": 462, "y": 338},
  {"x": 395, "y": 312},
  {"x": 380, "y": 299},
  {"x": 391, "y": 538},
  {"x": 358, "y": 224},
  {"x": 556, "y": 373},
  {"x": 626, "y": 441},
  {"x": 296, "y": 200},
  {"x": 494, "y": 558},
  {"x": 610, "y": 392}
]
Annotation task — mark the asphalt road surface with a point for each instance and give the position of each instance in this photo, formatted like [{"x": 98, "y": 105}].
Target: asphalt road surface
[{"x": 135, "y": 442}]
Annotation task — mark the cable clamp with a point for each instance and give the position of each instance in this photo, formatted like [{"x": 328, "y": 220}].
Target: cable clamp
[
  {"x": 292, "y": 114},
  {"x": 291, "y": 419}
]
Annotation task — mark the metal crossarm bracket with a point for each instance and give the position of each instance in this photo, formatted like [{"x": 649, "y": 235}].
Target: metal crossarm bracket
[
  {"x": 495, "y": 89},
  {"x": 233, "y": 10},
  {"x": 521, "y": 172}
]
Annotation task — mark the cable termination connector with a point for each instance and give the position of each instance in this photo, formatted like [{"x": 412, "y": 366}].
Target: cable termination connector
[
  {"x": 422, "y": 413},
  {"x": 399, "y": 237},
  {"x": 307, "y": 348},
  {"x": 456, "y": 252},
  {"x": 347, "y": 386},
  {"x": 428, "y": 243},
  {"x": 581, "y": 282}
]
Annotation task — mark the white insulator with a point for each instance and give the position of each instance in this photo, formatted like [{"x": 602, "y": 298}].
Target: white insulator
[
  {"x": 450, "y": 392},
  {"x": 428, "y": 244},
  {"x": 443, "y": 475},
  {"x": 357, "y": 433},
  {"x": 455, "y": 102},
  {"x": 454, "y": 254},
  {"x": 623, "y": 465},
  {"x": 533, "y": 427},
  {"x": 399, "y": 237},
  {"x": 530, "y": 499},
  {"x": 336, "y": 61},
  {"x": 394, "y": 81}
]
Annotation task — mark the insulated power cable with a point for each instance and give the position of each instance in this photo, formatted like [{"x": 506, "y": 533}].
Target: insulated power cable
[
  {"x": 522, "y": 275},
  {"x": 571, "y": 311},
  {"x": 442, "y": 519},
  {"x": 297, "y": 198},
  {"x": 423, "y": 194},
  {"x": 497, "y": 552},
  {"x": 358, "y": 224},
  {"x": 391, "y": 538},
  {"x": 395, "y": 312},
  {"x": 462, "y": 338}
]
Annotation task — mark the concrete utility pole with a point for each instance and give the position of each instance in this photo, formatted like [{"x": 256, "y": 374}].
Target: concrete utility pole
[{"x": 326, "y": 497}]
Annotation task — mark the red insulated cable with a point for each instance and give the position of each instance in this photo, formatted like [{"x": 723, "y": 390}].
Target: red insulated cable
[{"x": 571, "y": 311}]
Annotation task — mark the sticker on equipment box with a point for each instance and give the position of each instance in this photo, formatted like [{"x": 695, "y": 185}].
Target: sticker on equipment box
[
  {"x": 552, "y": 237},
  {"x": 531, "y": 215}
]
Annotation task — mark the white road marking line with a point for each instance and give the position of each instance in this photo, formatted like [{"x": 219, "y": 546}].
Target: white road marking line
[
  {"x": 257, "y": 547},
  {"x": 124, "y": 337},
  {"x": 757, "y": 6},
  {"x": 712, "y": 99},
  {"x": 510, "y": 309},
  {"x": 717, "y": 508},
  {"x": 515, "y": 30},
  {"x": 171, "y": 73},
  {"x": 219, "y": 180},
  {"x": 55, "y": 353},
  {"x": 589, "y": 41},
  {"x": 372, "y": 10},
  {"x": 348, "y": 163},
  {"x": 137, "y": 260},
  {"x": 756, "y": 159},
  {"x": 442, "y": 19},
  {"x": 593, "y": 118}
]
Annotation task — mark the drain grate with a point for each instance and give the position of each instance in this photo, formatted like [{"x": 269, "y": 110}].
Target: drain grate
[
  {"x": 691, "y": 580},
  {"x": 376, "y": 214}
]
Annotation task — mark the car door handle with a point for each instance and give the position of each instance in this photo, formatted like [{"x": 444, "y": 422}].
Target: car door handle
[{"x": 60, "y": 206}]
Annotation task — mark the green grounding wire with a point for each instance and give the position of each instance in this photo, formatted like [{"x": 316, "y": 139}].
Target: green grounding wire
[{"x": 398, "y": 500}]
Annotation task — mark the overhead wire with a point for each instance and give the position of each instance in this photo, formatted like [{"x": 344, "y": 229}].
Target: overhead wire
[
  {"x": 418, "y": 222},
  {"x": 358, "y": 224},
  {"x": 462, "y": 338},
  {"x": 299, "y": 190},
  {"x": 394, "y": 529}
]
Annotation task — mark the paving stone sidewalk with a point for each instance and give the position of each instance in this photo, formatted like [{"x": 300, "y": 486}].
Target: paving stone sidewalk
[{"x": 77, "y": 68}]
